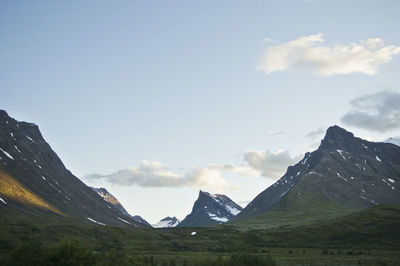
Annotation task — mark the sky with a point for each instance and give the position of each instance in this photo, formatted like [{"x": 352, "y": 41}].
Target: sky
[{"x": 155, "y": 100}]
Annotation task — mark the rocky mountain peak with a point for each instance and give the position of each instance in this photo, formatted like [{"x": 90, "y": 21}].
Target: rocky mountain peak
[
  {"x": 337, "y": 137},
  {"x": 211, "y": 209}
]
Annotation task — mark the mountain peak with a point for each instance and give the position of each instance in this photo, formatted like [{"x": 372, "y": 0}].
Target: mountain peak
[
  {"x": 211, "y": 209},
  {"x": 167, "y": 222},
  {"x": 336, "y": 137},
  {"x": 336, "y": 132},
  {"x": 345, "y": 170}
]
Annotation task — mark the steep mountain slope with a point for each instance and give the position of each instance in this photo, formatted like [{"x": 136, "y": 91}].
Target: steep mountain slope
[
  {"x": 211, "y": 209},
  {"x": 113, "y": 201},
  {"x": 344, "y": 172},
  {"x": 35, "y": 182},
  {"x": 167, "y": 222}
]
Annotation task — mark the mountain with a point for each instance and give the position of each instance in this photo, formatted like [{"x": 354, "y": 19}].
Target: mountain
[
  {"x": 344, "y": 172},
  {"x": 395, "y": 141},
  {"x": 113, "y": 201},
  {"x": 35, "y": 183},
  {"x": 211, "y": 209},
  {"x": 167, "y": 222}
]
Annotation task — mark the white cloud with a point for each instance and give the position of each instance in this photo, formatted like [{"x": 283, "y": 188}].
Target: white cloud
[
  {"x": 155, "y": 174},
  {"x": 309, "y": 54},
  {"x": 377, "y": 112},
  {"x": 277, "y": 132},
  {"x": 269, "y": 164}
]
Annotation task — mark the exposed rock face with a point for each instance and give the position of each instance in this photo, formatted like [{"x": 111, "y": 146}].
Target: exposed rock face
[
  {"x": 211, "y": 209},
  {"x": 344, "y": 170}
]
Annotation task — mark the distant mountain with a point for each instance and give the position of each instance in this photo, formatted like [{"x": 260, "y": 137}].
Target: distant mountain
[
  {"x": 34, "y": 182},
  {"x": 211, "y": 209},
  {"x": 344, "y": 171},
  {"x": 167, "y": 222},
  {"x": 395, "y": 141},
  {"x": 114, "y": 203}
]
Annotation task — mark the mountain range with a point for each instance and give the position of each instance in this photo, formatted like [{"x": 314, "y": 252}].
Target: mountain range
[{"x": 344, "y": 174}]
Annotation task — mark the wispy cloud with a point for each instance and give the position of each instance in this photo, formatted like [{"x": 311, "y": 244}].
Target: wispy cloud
[
  {"x": 316, "y": 133},
  {"x": 308, "y": 53},
  {"x": 377, "y": 112}
]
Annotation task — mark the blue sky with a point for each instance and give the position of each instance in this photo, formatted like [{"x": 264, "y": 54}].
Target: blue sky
[{"x": 193, "y": 87}]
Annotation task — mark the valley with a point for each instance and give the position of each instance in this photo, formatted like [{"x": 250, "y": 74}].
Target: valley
[{"x": 339, "y": 205}]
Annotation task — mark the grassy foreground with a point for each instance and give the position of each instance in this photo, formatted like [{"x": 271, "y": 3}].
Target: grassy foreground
[{"x": 366, "y": 237}]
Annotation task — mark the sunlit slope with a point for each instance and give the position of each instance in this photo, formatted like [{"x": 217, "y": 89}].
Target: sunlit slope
[{"x": 11, "y": 189}]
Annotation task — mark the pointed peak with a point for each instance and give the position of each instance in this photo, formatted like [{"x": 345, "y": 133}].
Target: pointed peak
[
  {"x": 336, "y": 131},
  {"x": 337, "y": 136}
]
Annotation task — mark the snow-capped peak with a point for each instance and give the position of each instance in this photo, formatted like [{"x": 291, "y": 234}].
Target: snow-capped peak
[{"x": 167, "y": 222}]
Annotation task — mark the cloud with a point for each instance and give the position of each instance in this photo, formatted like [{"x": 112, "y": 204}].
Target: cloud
[
  {"x": 272, "y": 133},
  {"x": 377, "y": 112},
  {"x": 155, "y": 174},
  {"x": 269, "y": 164},
  {"x": 316, "y": 134},
  {"x": 309, "y": 54},
  {"x": 243, "y": 170}
]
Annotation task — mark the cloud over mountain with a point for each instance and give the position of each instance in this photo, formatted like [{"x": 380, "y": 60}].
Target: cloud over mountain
[
  {"x": 377, "y": 112},
  {"x": 308, "y": 53}
]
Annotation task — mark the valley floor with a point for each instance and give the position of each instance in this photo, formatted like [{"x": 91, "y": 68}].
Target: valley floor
[{"x": 366, "y": 237}]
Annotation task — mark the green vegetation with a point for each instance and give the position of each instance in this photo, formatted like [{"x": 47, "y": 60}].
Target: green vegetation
[{"x": 366, "y": 237}]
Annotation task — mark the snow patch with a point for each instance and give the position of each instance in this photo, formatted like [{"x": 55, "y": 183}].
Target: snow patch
[
  {"x": 30, "y": 139},
  {"x": 312, "y": 172},
  {"x": 341, "y": 153},
  {"x": 122, "y": 220},
  {"x": 2, "y": 200},
  {"x": 17, "y": 149},
  {"x": 232, "y": 210},
  {"x": 94, "y": 221},
  {"x": 7, "y": 154},
  {"x": 384, "y": 181},
  {"x": 285, "y": 192},
  {"x": 338, "y": 174},
  {"x": 216, "y": 218}
]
